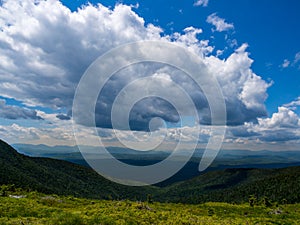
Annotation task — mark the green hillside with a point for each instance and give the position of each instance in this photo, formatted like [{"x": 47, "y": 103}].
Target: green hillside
[
  {"x": 60, "y": 177},
  {"x": 236, "y": 185},
  {"x": 229, "y": 185}
]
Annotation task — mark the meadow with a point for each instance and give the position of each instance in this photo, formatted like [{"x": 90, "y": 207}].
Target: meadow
[{"x": 37, "y": 208}]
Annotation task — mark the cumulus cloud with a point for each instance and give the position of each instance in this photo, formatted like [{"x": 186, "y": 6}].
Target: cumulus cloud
[
  {"x": 282, "y": 126},
  {"x": 45, "y": 48},
  {"x": 244, "y": 91},
  {"x": 189, "y": 39},
  {"x": 284, "y": 118},
  {"x": 51, "y": 50},
  {"x": 14, "y": 112},
  {"x": 219, "y": 23},
  {"x": 203, "y": 3}
]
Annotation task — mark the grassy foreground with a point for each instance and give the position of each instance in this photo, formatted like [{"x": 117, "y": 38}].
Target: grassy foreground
[{"x": 36, "y": 208}]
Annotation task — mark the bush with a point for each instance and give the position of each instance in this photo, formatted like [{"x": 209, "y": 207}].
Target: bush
[
  {"x": 252, "y": 200},
  {"x": 69, "y": 219}
]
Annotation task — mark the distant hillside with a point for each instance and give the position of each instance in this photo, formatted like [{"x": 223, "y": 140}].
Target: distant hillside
[
  {"x": 226, "y": 185},
  {"x": 225, "y": 158},
  {"x": 238, "y": 158}
]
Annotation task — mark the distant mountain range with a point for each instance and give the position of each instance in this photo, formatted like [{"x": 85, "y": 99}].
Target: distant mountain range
[
  {"x": 227, "y": 185},
  {"x": 225, "y": 158},
  {"x": 228, "y": 157}
]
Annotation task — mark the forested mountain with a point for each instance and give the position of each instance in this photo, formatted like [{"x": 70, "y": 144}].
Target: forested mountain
[
  {"x": 59, "y": 177},
  {"x": 227, "y": 185},
  {"x": 237, "y": 185}
]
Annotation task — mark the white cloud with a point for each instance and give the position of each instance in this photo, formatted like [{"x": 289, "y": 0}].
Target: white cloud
[
  {"x": 15, "y": 133},
  {"x": 282, "y": 127},
  {"x": 286, "y": 63},
  {"x": 53, "y": 131},
  {"x": 295, "y": 62},
  {"x": 297, "y": 58},
  {"x": 15, "y": 112},
  {"x": 244, "y": 91},
  {"x": 203, "y": 3},
  {"x": 284, "y": 118},
  {"x": 191, "y": 41},
  {"x": 219, "y": 23},
  {"x": 219, "y": 53},
  {"x": 294, "y": 104}
]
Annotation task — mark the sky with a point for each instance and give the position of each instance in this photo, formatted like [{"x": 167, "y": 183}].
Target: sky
[{"x": 251, "y": 47}]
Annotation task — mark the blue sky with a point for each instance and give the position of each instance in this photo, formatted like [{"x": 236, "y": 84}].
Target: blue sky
[{"x": 253, "y": 46}]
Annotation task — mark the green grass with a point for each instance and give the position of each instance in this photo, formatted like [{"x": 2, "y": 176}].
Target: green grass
[{"x": 37, "y": 208}]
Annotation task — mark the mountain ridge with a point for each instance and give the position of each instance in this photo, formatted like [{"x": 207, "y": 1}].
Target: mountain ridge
[
  {"x": 225, "y": 158},
  {"x": 226, "y": 185},
  {"x": 57, "y": 176}
]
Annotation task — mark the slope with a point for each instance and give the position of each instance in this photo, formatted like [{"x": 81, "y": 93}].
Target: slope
[
  {"x": 236, "y": 185},
  {"x": 60, "y": 177}
]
